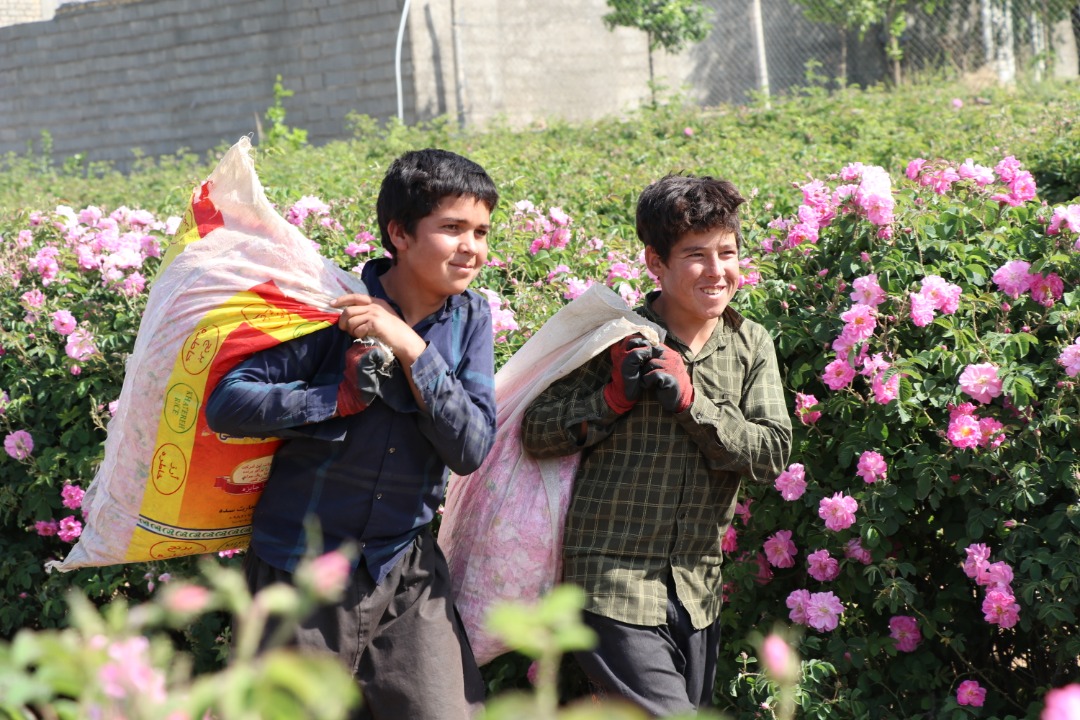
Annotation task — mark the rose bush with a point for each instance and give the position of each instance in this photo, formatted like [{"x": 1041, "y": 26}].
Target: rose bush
[
  {"x": 922, "y": 545},
  {"x": 927, "y": 327}
]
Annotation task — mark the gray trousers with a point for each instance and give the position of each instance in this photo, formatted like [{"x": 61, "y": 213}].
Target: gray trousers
[
  {"x": 402, "y": 639},
  {"x": 665, "y": 670}
]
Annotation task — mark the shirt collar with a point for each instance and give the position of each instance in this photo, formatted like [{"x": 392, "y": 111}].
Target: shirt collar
[
  {"x": 730, "y": 322},
  {"x": 371, "y": 275}
]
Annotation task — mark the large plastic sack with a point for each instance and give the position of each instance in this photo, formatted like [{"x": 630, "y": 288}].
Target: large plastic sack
[
  {"x": 238, "y": 278},
  {"x": 502, "y": 526}
]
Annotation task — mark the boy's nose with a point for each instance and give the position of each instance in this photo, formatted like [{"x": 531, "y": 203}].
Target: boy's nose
[{"x": 469, "y": 243}]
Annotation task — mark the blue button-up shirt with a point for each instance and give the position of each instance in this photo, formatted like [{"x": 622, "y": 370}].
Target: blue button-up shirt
[{"x": 376, "y": 478}]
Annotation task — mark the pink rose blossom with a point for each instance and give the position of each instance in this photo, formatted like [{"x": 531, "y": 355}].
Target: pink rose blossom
[
  {"x": 19, "y": 444},
  {"x": 904, "y": 629},
  {"x": 186, "y": 599},
  {"x": 823, "y": 611},
  {"x": 838, "y": 511},
  {"x": 867, "y": 291},
  {"x": 1068, "y": 216},
  {"x": 914, "y": 168},
  {"x": 970, "y": 693},
  {"x": 779, "y": 659},
  {"x": 33, "y": 299},
  {"x": 304, "y": 208},
  {"x": 922, "y": 309},
  {"x": 1013, "y": 278},
  {"x": 80, "y": 345},
  {"x": 1000, "y": 608},
  {"x": 1062, "y": 703},
  {"x": 822, "y": 566},
  {"x": 871, "y": 466},
  {"x": 981, "y": 382},
  {"x": 575, "y": 287},
  {"x": 730, "y": 542},
  {"x": 46, "y": 528},
  {"x": 964, "y": 432},
  {"x": 779, "y": 549},
  {"x": 861, "y": 320},
  {"x": 854, "y": 550},
  {"x": 992, "y": 436},
  {"x": 129, "y": 672},
  {"x": 72, "y": 496},
  {"x": 328, "y": 574},
  {"x": 981, "y": 174},
  {"x": 838, "y": 374},
  {"x": 998, "y": 575},
  {"x": 63, "y": 322},
  {"x": 798, "y": 601},
  {"x": 978, "y": 559},
  {"x": 792, "y": 482},
  {"x": 885, "y": 391},
  {"x": 804, "y": 405},
  {"x": 1047, "y": 289},
  {"x": 1070, "y": 359},
  {"x": 945, "y": 296},
  {"x": 70, "y": 529}
]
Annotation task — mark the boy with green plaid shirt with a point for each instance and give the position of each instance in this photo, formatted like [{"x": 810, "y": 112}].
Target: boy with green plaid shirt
[{"x": 665, "y": 434}]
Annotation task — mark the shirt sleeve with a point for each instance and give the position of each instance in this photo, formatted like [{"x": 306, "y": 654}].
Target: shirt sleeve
[
  {"x": 751, "y": 434},
  {"x": 460, "y": 423},
  {"x": 279, "y": 392},
  {"x": 571, "y": 414}
]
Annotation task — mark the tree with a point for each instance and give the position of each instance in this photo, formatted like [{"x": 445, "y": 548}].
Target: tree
[{"x": 667, "y": 24}]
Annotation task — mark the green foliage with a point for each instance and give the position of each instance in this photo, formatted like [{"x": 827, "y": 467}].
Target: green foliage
[
  {"x": 581, "y": 183},
  {"x": 279, "y": 135},
  {"x": 122, "y": 661},
  {"x": 669, "y": 24}
]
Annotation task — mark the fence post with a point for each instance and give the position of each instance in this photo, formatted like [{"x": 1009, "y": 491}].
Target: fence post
[{"x": 759, "y": 41}]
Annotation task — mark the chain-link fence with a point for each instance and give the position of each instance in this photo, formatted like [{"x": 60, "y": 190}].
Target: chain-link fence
[{"x": 774, "y": 46}]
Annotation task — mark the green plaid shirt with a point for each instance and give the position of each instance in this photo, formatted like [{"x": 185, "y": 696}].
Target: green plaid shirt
[{"x": 655, "y": 492}]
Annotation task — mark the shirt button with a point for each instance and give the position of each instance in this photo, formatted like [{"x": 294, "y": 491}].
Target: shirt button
[
  {"x": 378, "y": 496},
  {"x": 392, "y": 450}
]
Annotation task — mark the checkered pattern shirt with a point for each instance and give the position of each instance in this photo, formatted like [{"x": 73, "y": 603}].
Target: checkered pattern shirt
[{"x": 656, "y": 491}]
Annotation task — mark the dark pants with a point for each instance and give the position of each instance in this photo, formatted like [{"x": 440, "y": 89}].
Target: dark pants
[
  {"x": 666, "y": 670},
  {"x": 401, "y": 639}
]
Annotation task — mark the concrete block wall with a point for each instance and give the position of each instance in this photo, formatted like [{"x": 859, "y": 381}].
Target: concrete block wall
[
  {"x": 23, "y": 11},
  {"x": 107, "y": 77},
  {"x": 523, "y": 61}
]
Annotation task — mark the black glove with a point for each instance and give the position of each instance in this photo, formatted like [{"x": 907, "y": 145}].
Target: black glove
[
  {"x": 367, "y": 365},
  {"x": 624, "y": 389}
]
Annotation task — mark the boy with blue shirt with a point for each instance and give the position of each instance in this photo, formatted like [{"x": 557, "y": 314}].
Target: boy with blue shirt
[{"x": 368, "y": 454}]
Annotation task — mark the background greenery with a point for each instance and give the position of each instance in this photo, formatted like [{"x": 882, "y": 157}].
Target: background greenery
[{"x": 594, "y": 172}]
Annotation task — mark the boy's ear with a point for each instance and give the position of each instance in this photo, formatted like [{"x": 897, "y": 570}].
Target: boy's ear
[
  {"x": 653, "y": 262},
  {"x": 396, "y": 231}
]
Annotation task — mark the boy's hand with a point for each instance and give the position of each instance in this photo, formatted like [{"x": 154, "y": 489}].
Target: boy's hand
[
  {"x": 628, "y": 357},
  {"x": 665, "y": 374},
  {"x": 365, "y": 369},
  {"x": 363, "y": 316}
]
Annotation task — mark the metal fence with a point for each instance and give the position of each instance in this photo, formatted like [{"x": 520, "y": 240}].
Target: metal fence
[{"x": 773, "y": 46}]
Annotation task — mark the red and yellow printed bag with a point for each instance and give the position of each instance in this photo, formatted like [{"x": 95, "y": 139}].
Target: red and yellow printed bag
[{"x": 237, "y": 278}]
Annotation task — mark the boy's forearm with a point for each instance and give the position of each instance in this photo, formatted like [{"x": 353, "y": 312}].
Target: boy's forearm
[
  {"x": 247, "y": 408},
  {"x": 457, "y": 413},
  {"x": 753, "y": 437}
]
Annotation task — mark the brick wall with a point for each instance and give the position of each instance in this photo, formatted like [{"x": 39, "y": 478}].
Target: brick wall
[{"x": 160, "y": 75}]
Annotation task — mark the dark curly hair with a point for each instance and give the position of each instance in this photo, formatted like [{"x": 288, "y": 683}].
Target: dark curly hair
[{"x": 676, "y": 205}]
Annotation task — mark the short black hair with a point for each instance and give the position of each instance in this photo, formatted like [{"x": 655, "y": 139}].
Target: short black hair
[
  {"x": 416, "y": 182},
  {"x": 676, "y": 205}
]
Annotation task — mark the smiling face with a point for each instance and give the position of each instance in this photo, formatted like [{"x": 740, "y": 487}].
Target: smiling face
[
  {"x": 698, "y": 280},
  {"x": 446, "y": 251}
]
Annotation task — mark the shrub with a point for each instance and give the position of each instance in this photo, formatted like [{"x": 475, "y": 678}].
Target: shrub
[{"x": 912, "y": 631}]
